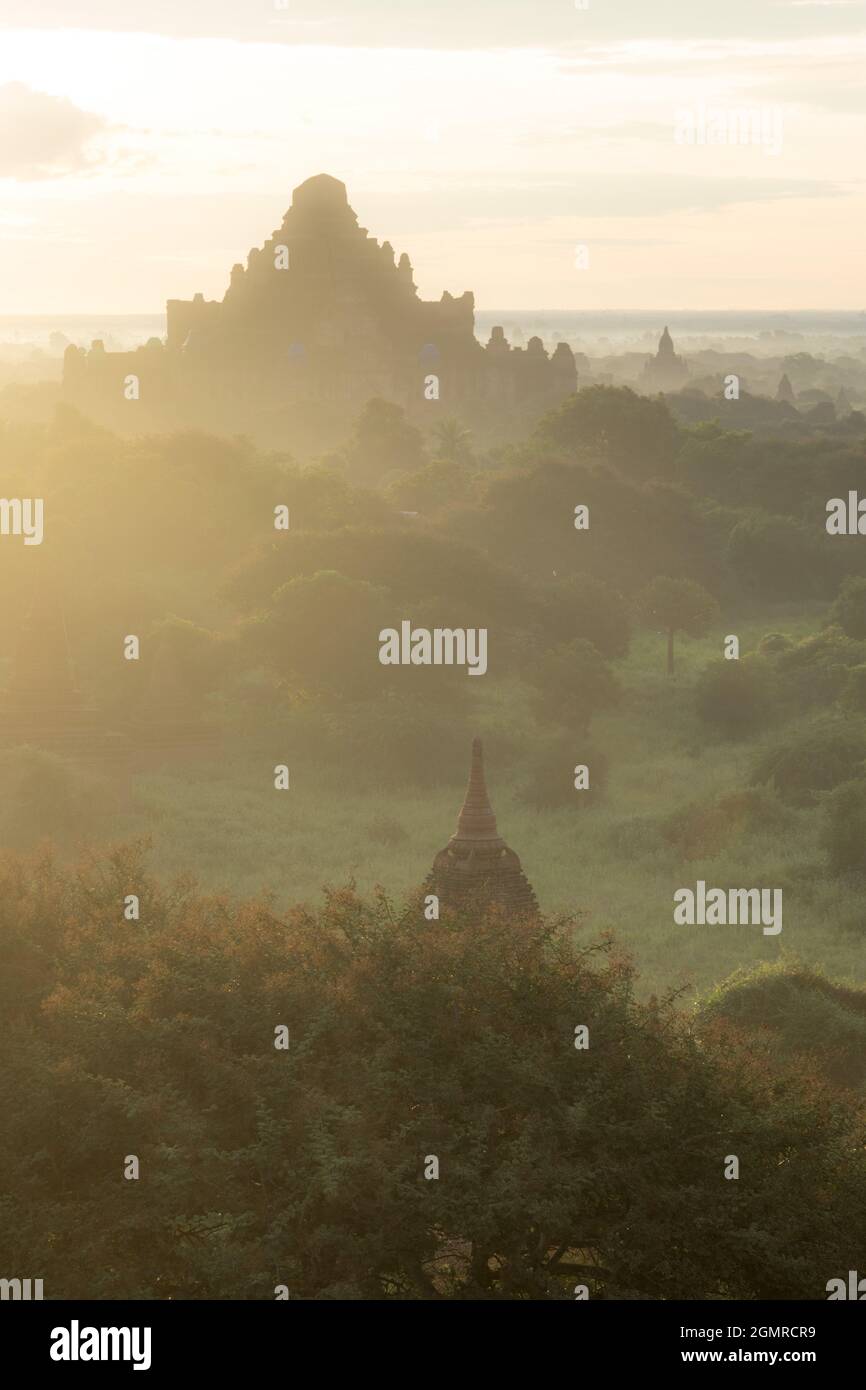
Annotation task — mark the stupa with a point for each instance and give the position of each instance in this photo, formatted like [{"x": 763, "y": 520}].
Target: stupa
[
  {"x": 666, "y": 371},
  {"x": 476, "y": 867}
]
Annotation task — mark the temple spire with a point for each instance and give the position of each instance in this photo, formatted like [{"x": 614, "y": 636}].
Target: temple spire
[
  {"x": 666, "y": 371},
  {"x": 476, "y": 868},
  {"x": 477, "y": 820}
]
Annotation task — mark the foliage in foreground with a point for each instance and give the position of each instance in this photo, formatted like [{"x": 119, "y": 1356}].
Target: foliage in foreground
[{"x": 409, "y": 1038}]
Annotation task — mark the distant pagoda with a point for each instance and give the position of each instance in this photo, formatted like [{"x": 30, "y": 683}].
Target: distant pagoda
[
  {"x": 666, "y": 371},
  {"x": 476, "y": 867}
]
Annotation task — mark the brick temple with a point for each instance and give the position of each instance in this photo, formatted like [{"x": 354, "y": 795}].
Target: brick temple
[
  {"x": 321, "y": 319},
  {"x": 477, "y": 867}
]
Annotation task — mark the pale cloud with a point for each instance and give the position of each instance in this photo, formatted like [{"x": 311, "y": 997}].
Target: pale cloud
[
  {"x": 588, "y": 196},
  {"x": 43, "y": 136},
  {"x": 485, "y": 163},
  {"x": 128, "y": 253},
  {"x": 438, "y": 23}
]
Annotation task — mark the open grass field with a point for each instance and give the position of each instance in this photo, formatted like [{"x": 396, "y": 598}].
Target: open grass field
[{"x": 613, "y": 863}]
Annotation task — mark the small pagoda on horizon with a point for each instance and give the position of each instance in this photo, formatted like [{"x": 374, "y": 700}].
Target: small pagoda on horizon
[
  {"x": 666, "y": 371},
  {"x": 476, "y": 867}
]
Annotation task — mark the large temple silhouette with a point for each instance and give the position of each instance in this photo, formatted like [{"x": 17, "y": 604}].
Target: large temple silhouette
[
  {"x": 320, "y": 320},
  {"x": 477, "y": 867}
]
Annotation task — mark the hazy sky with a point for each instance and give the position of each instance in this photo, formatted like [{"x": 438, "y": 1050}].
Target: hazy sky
[{"x": 146, "y": 149}]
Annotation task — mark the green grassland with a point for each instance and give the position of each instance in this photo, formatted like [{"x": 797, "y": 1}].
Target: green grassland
[
  {"x": 611, "y": 863},
  {"x": 266, "y": 637}
]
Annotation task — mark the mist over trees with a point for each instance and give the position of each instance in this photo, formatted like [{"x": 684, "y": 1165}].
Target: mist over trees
[{"x": 609, "y": 692}]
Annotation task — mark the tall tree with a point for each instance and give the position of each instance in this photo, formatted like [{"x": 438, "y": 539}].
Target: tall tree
[
  {"x": 677, "y": 605},
  {"x": 383, "y": 443},
  {"x": 452, "y": 442},
  {"x": 573, "y": 682},
  {"x": 634, "y": 433}
]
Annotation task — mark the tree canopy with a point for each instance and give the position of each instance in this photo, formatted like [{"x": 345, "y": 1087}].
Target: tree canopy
[{"x": 409, "y": 1040}]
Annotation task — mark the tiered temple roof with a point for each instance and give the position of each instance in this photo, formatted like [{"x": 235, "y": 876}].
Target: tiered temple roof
[
  {"x": 477, "y": 867},
  {"x": 321, "y": 319}
]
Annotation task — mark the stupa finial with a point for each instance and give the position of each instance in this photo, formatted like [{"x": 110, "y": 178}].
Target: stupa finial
[{"x": 476, "y": 820}]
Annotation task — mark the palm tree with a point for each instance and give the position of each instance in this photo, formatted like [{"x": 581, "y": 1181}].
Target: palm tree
[{"x": 453, "y": 442}]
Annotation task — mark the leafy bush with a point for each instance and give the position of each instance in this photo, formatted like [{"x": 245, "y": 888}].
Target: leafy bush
[
  {"x": 434, "y": 488},
  {"x": 814, "y": 761},
  {"x": 702, "y": 830},
  {"x": 573, "y": 682},
  {"x": 736, "y": 697},
  {"x": 849, "y": 610},
  {"x": 779, "y": 557},
  {"x": 580, "y": 606},
  {"x": 772, "y": 643},
  {"x": 301, "y": 1167},
  {"x": 804, "y": 1014},
  {"x": 635, "y": 433},
  {"x": 676, "y": 605},
  {"x": 854, "y": 691},
  {"x": 815, "y": 670},
  {"x": 844, "y": 836}
]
